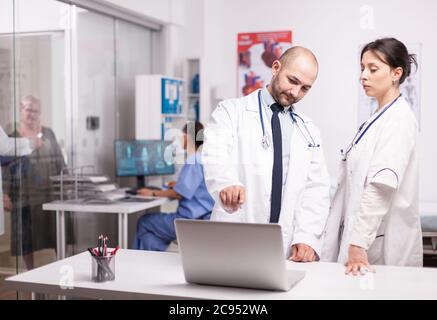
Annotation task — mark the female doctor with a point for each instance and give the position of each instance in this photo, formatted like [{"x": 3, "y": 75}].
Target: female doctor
[
  {"x": 11, "y": 147},
  {"x": 374, "y": 216}
]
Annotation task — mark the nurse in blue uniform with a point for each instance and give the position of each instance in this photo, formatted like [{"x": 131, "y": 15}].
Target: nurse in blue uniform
[{"x": 155, "y": 231}]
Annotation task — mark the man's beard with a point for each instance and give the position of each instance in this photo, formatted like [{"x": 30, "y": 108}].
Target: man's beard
[{"x": 276, "y": 94}]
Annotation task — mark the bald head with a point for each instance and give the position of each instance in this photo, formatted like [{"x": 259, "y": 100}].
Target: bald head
[
  {"x": 296, "y": 53},
  {"x": 293, "y": 75}
]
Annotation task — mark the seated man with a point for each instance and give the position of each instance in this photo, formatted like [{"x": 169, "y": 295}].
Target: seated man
[{"x": 155, "y": 231}]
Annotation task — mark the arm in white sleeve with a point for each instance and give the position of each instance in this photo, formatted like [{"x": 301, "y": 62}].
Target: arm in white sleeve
[
  {"x": 217, "y": 158},
  {"x": 394, "y": 147},
  {"x": 312, "y": 213},
  {"x": 375, "y": 204},
  {"x": 14, "y": 146}
]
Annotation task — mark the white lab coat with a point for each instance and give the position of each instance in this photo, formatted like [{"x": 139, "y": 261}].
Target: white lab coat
[
  {"x": 10, "y": 147},
  {"x": 233, "y": 155},
  {"x": 385, "y": 156}
]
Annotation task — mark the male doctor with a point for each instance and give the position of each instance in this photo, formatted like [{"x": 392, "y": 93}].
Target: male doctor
[{"x": 264, "y": 163}]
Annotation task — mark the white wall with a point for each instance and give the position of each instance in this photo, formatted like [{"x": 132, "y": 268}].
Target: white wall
[
  {"x": 168, "y": 53},
  {"x": 156, "y": 9},
  {"x": 43, "y": 16},
  {"x": 192, "y": 33},
  {"x": 332, "y": 30},
  {"x": 165, "y": 11}
]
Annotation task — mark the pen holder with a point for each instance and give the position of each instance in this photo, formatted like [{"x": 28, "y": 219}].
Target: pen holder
[{"x": 103, "y": 268}]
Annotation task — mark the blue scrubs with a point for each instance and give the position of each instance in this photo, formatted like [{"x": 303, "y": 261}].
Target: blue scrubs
[{"x": 155, "y": 231}]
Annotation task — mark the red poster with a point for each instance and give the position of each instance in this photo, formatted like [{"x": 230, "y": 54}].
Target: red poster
[{"x": 256, "y": 53}]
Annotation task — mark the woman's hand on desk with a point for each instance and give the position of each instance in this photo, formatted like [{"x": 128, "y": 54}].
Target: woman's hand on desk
[
  {"x": 170, "y": 193},
  {"x": 147, "y": 192},
  {"x": 171, "y": 184},
  {"x": 357, "y": 261}
]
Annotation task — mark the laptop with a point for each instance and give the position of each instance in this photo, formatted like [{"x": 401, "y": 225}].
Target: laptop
[{"x": 244, "y": 255}]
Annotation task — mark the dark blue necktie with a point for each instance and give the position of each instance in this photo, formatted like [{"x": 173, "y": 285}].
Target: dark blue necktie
[{"x": 276, "y": 197}]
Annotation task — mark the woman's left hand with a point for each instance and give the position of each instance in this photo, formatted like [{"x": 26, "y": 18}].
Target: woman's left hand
[
  {"x": 171, "y": 184},
  {"x": 357, "y": 261},
  {"x": 145, "y": 192}
]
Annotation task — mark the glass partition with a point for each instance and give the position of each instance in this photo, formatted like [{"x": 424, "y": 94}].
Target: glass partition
[
  {"x": 67, "y": 89},
  {"x": 8, "y": 263}
]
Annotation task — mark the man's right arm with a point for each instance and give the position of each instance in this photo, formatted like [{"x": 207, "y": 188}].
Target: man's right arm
[{"x": 219, "y": 160}]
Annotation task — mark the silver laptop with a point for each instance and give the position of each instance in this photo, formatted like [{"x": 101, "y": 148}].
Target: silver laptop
[{"x": 234, "y": 254}]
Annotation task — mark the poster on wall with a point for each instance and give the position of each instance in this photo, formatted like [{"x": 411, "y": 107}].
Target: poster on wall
[
  {"x": 410, "y": 90},
  {"x": 256, "y": 54}
]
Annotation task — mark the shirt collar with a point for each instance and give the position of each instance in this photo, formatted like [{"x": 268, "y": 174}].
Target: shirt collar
[{"x": 268, "y": 99}]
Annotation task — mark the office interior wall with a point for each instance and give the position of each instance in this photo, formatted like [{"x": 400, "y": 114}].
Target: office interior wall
[
  {"x": 155, "y": 9},
  {"x": 96, "y": 92},
  {"x": 32, "y": 63},
  {"x": 109, "y": 58},
  {"x": 133, "y": 47},
  {"x": 96, "y": 97},
  {"x": 34, "y": 16},
  {"x": 164, "y": 11},
  {"x": 133, "y": 57},
  {"x": 6, "y": 83},
  {"x": 80, "y": 64},
  {"x": 334, "y": 30}
]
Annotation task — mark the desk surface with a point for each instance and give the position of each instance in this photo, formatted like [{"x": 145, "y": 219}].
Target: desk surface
[
  {"x": 159, "y": 275},
  {"x": 117, "y": 207}
]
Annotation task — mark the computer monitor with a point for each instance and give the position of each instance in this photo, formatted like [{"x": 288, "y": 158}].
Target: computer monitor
[{"x": 142, "y": 158}]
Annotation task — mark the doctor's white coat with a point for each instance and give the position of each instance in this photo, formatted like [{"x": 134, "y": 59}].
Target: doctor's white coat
[
  {"x": 233, "y": 155},
  {"x": 387, "y": 156}
]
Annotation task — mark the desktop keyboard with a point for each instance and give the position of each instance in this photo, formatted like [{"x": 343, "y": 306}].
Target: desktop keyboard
[
  {"x": 137, "y": 199},
  {"x": 134, "y": 191}
]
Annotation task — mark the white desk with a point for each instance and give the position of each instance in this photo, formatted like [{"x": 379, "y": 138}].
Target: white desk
[
  {"x": 123, "y": 209},
  {"x": 159, "y": 275}
]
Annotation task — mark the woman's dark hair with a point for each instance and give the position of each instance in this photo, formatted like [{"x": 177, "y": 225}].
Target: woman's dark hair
[
  {"x": 198, "y": 132},
  {"x": 395, "y": 54}
]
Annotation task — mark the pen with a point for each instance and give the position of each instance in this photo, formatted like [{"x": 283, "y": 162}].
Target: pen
[
  {"x": 115, "y": 251},
  {"x": 96, "y": 252},
  {"x": 105, "y": 246},
  {"x": 100, "y": 242}
]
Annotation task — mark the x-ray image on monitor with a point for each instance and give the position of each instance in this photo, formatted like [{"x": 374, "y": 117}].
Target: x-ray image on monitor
[
  {"x": 143, "y": 158},
  {"x": 160, "y": 164},
  {"x": 144, "y": 161}
]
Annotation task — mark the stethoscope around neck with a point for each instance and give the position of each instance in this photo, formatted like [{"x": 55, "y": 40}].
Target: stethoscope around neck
[
  {"x": 308, "y": 137},
  {"x": 359, "y": 135}
]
